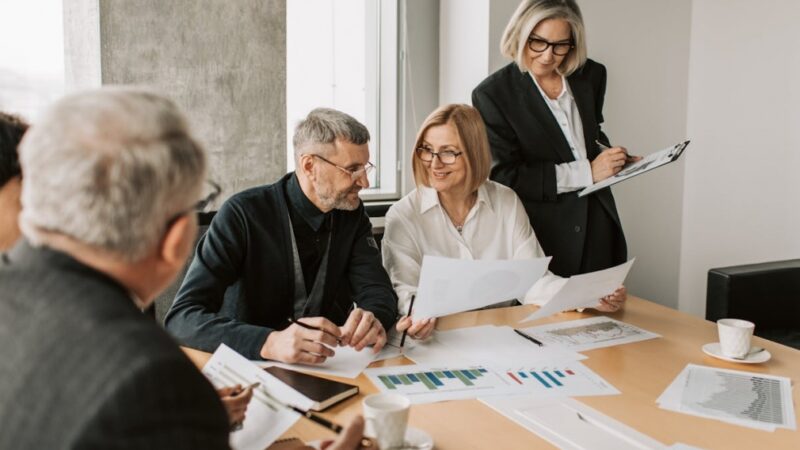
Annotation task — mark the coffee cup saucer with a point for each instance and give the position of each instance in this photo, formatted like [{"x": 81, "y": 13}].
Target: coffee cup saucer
[
  {"x": 715, "y": 350},
  {"x": 416, "y": 439}
]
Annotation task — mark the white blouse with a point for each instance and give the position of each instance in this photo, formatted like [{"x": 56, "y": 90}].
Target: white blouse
[
  {"x": 497, "y": 227},
  {"x": 573, "y": 175}
]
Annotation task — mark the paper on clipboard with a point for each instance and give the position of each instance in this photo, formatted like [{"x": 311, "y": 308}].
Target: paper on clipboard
[{"x": 646, "y": 164}]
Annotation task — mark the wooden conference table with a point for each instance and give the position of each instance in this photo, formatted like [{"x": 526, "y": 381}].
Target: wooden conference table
[{"x": 641, "y": 371}]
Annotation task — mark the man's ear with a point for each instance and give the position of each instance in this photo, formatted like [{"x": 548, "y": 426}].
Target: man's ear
[
  {"x": 178, "y": 239},
  {"x": 307, "y": 166}
]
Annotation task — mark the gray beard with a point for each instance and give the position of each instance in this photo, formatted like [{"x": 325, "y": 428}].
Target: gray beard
[{"x": 337, "y": 200}]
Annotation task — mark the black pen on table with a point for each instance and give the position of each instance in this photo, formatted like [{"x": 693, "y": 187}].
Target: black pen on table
[
  {"x": 335, "y": 427},
  {"x": 311, "y": 327},
  {"x": 528, "y": 337},
  {"x": 405, "y": 332}
]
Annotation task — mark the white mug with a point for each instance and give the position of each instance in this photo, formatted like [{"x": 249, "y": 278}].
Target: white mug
[
  {"x": 386, "y": 417},
  {"x": 734, "y": 337}
]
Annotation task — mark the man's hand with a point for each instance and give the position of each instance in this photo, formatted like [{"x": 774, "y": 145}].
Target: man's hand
[
  {"x": 349, "y": 438},
  {"x": 420, "y": 329},
  {"x": 297, "y": 344},
  {"x": 235, "y": 399},
  {"x": 363, "y": 329},
  {"x": 614, "y": 301}
]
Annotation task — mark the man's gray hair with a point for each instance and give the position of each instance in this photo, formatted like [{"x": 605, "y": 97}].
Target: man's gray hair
[
  {"x": 322, "y": 127},
  {"x": 109, "y": 168}
]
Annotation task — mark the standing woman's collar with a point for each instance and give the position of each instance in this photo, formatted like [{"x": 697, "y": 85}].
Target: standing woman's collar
[{"x": 303, "y": 206}]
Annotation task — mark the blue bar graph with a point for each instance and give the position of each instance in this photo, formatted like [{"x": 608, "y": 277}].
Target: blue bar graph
[
  {"x": 552, "y": 378},
  {"x": 541, "y": 380}
]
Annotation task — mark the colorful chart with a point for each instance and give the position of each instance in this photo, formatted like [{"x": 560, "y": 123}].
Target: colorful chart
[
  {"x": 433, "y": 380},
  {"x": 547, "y": 378}
]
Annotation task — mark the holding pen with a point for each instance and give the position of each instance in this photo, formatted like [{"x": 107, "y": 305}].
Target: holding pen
[
  {"x": 311, "y": 327},
  {"x": 628, "y": 157}
]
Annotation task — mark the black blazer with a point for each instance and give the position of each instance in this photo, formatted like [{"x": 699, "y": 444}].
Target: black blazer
[
  {"x": 527, "y": 143},
  {"x": 82, "y": 367},
  {"x": 240, "y": 286}
]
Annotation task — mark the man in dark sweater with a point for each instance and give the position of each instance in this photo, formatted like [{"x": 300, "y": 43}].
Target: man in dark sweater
[{"x": 289, "y": 271}]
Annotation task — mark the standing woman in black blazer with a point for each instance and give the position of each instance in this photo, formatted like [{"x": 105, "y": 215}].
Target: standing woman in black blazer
[{"x": 543, "y": 113}]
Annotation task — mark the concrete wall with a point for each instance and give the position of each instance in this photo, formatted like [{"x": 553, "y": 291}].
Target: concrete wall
[
  {"x": 741, "y": 191},
  {"x": 223, "y": 62},
  {"x": 644, "y": 44}
]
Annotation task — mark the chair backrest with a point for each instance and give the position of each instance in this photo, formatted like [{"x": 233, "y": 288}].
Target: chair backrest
[
  {"x": 164, "y": 301},
  {"x": 767, "y": 294}
]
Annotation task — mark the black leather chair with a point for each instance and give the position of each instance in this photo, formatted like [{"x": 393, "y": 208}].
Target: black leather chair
[{"x": 767, "y": 294}]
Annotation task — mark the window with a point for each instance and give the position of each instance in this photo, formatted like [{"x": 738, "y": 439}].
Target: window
[
  {"x": 343, "y": 54},
  {"x": 31, "y": 56}
]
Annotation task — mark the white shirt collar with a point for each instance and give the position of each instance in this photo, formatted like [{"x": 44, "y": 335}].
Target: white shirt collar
[
  {"x": 429, "y": 198},
  {"x": 565, "y": 89}
]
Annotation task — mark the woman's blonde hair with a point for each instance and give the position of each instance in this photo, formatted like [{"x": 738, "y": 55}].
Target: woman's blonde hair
[
  {"x": 530, "y": 13},
  {"x": 468, "y": 124}
]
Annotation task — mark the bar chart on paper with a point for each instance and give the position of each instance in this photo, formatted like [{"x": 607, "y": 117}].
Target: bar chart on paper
[
  {"x": 573, "y": 379},
  {"x": 424, "y": 384}
]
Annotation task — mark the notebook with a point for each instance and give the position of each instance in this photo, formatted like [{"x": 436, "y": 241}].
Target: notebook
[{"x": 322, "y": 391}]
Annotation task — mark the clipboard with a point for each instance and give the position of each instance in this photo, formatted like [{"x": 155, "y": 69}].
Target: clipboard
[{"x": 646, "y": 164}]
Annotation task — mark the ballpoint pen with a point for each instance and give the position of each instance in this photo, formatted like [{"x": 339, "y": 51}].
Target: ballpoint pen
[
  {"x": 335, "y": 427},
  {"x": 604, "y": 146},
  {"x": 405, "y": 332},
  {"x": 528, "y": 337},
  {"x": 238, "y": 425},
  {"x": 311, "y": 327}
]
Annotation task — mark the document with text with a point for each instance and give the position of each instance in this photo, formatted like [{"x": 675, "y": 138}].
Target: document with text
[{"x": 588, "y": 334}]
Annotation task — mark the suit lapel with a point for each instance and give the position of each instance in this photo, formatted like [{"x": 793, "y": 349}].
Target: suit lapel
[
  {"x": 582, "y": 92},
  {"x": 533, "y": 102}
]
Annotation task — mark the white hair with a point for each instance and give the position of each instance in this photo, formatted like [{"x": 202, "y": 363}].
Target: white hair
[
  {"x": 322, "y": 127},
  {"x": 109, "y": 168},
  {"x": 530, "y": 13}
]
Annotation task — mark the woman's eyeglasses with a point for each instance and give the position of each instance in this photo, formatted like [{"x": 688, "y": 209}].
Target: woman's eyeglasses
[
  {"x": 445, "y": 156},
  {"x": 540, "y": 46}
]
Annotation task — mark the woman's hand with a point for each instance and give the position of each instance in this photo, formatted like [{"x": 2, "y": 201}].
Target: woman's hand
[
  {"x": 610, "y": 162},
  {"x": 235, "y": 399},
  {"x": 614, "y": 301},
  {"x": 421, "y": 329}
]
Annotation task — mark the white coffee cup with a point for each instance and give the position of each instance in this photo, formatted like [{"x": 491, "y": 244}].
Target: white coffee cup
[
  {"x": 734, "y": 337},
  {"x": 386, "y": 417}
]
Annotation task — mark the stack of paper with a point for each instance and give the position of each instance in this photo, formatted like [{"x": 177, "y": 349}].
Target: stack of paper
[
  {"x": 266, "y": 419},
  {"x": 569, "y": 424},
  {"x": 430, "y": 383},
  {"x": 346, "y": 363},
  {"x": 748, "y": 399},
  {"x": 588, "y": 334}
]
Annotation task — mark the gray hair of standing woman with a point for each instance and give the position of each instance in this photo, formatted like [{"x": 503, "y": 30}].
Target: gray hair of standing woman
[
  {"x": 530, "y": 13},
  {"x": 109, "y": 168},
  {"x": 317, "y": 133}
]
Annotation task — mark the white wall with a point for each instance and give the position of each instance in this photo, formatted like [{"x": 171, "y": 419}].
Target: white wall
[
  {"x": 644, "y": 45},
  {"x": 463, "y": 48},
  {"x": 742, "y": 189}
]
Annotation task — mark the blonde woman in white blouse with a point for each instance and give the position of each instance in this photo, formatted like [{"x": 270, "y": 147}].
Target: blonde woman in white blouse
[{"x": 456, "y": 212}]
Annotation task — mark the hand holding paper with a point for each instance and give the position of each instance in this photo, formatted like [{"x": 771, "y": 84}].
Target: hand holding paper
[{"x": 584, "y": 291}]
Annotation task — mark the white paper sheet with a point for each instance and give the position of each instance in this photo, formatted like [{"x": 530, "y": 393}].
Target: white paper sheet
[
  {"x": 265, "y": 420},
  {"x": 748, "y": 399},
  {"x": 346, "y": 363},
  {"x": 588, "y": 334},
  {"x": 449, "y": 286},
  {"x": 569, "y": 424},
  {"x": 497, "y": 346},
  {"x": 584, "y": 291},
  {"x": 432, "y": 383}
]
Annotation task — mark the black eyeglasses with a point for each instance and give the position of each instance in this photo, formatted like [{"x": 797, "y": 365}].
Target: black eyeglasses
[
  {"x": 446, "y": 157},
  {"x": 355, "y": 174},
  {"x": 201, "y": 205},
  {"x": 208, "y": 199},
  {"x": 540, "y": 46}
]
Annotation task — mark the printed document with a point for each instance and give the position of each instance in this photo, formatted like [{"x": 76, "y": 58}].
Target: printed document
[
  {"x": 588, "y": 334},
  {"x": 584, "y": 291},
  {"x": 449, "y": 286}
]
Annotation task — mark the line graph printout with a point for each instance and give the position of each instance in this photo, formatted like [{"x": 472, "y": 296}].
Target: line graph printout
[
  {"x": 743, "y": 398},
  {"x": 587, "y": 334}
]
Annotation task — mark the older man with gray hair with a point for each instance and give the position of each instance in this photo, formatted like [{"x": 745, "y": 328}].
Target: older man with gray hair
[
  {"x": 281, "y": 267},
  {"x": 111, "y": 177}
]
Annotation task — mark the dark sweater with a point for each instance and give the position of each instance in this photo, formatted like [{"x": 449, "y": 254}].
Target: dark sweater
[{"x": 240, "y": 286}]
